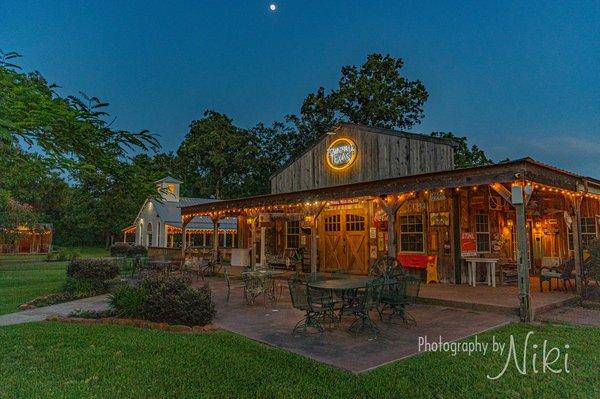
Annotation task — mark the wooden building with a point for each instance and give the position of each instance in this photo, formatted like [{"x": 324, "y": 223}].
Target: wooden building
[
  {"x": 35, "y": 240},
  {"x": 360, "y": 193}
]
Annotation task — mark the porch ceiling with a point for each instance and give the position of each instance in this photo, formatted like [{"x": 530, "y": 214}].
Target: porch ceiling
[{"x": 508, "y": 172}]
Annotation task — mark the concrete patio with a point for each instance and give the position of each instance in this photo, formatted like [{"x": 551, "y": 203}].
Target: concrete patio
[
  {"x": 501, "y": 299},
  {"x": 357, "y": 353}
]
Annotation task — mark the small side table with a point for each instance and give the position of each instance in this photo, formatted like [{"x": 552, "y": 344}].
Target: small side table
[{"x": 490, "y": 264}]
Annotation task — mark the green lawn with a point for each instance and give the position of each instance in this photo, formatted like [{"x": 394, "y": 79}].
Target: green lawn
[
  {"x": 21, "y": 282},
  {"x": 25, "y": 277},
  {"x": 73, "y": 361}
]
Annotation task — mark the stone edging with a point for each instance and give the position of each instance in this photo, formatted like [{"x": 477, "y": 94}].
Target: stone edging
[{"x": 136, "y": 323}]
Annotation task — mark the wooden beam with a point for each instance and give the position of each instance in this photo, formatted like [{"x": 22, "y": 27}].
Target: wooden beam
[
  {"x": 577, "y": 242},
  {"x": 391, "y": 205},
  {"x": 525, "y": 305},
  {"x": 215, "y": 238}
]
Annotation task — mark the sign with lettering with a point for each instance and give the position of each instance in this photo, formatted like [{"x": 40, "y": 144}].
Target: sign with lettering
[
  {"x": 468, "y": 245},
  {"x": 341, "y": 153}
]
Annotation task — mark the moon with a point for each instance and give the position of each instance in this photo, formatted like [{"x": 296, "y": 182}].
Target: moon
[{"x": 273, "y": 7}]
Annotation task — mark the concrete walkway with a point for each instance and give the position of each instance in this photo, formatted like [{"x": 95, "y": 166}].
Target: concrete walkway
[
  {"x": 97, "y": 303},
  {"x": 573, "y": 315}
]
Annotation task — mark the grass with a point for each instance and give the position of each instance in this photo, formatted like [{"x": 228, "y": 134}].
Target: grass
[
  {"x": 25, "y": 277},
  {"x": 21, "y": 282},
  {"x": 73, "y": 361}
]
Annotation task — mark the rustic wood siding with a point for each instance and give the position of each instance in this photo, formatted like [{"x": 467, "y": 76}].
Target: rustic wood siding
[{"x": 380, "y": 156}]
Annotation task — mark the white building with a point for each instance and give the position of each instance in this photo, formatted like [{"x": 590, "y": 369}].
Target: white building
[{"x": 159, "y": 224}]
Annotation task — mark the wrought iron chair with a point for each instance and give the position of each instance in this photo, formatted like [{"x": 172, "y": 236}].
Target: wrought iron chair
[
  {"x": 325, "y": 302},
  {"x": 383, "y": 267},
  {"x": 233, "y": 282},
  {"x": 361, "y": 309},
  {"x": 565, "y": 275},
  {"x": 397, "y": 296},
  {"x": 301, "y": 301}
]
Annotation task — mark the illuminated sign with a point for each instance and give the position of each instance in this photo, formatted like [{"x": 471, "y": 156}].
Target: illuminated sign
[{"x": 341, "y": 153}]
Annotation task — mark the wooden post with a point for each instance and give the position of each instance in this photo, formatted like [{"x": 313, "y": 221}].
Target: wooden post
[
  {"x": 577, "y": 247},
  {"x": 456, "y": 237},
  {"x": 184, "y": 222},
  {"x": 252, "y": 243},
  {"x": 391, "y": 206},
  {"x": 215, "y": 238},
  {"x": 523, "y": 265},
  {"x": 313, "y": 245}
]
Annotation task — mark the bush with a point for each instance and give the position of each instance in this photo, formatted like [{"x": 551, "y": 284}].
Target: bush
[
  {"x": 120, "y": 249},
  {"x": 128, "y": 301},
  {"x": 167, "y": 300},
  {"x": 93, "y": 269},
  {"x": 87, "y": 277},
  {"x": 593, "y": 266},
  {"x": 137, "y": 250}
]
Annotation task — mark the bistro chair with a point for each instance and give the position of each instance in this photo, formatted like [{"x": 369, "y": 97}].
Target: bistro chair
[
  {"x": 233, "y": 282},
  {"x": 412, "y": 286},
  {"x": 565, "y": 275},
  {"x": 300, "y": 300},
  {"x": 382, "y": 267},
  {"x": 361, "y": 309},
  {"x": 255, "y": 285},
  {"x": 324, "y": 300}
]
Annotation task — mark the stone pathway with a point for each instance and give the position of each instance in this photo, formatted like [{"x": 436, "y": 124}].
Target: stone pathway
[
  {"x": 573, "y": 315},
  {"x": 97, "y": 303}
]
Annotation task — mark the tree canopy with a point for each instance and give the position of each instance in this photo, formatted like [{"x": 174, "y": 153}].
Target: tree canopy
[{"x": 63, "y": 161}]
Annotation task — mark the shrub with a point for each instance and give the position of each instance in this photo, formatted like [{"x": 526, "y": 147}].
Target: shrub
[
  {"x": 167, "y": 300},
  {"x": 86, "y": 277},
  {"x": 120, "y": 249},
  {"x": 593, "y": 266},
  {"x": 82, "y": 288},
  {"x": 93, "y": 269},
  {"x": 128, "y": 301},
  {"x": 137, "y": 250}
]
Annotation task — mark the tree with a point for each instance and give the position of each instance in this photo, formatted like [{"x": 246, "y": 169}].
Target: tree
[
  {"x": 465, "y": 156},
  {"x": 216, "y": 155},
  {"x": 14, "y": 215},
  {"x": 374, "y": 94}
]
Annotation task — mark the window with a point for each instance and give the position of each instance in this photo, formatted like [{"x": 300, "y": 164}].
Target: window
[
  {"x": 222, "y": 242},
  {"x": 209, "y": 240},
  {"x": 482, "y": 230},
  {"x": 355, "y": 222},
  {"x": 588, "y": 232},
  {"x": 332, "y": 223},
  {"x": 292, "y": 236},
  {"x": 412, "y": 234},
  {"x": 149, "y": 241}
]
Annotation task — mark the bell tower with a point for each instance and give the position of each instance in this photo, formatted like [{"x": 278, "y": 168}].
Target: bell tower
[{"x": 168, "y": 189}]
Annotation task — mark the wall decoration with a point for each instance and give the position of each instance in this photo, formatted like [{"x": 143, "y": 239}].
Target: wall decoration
[
  {"x": 495, "y": 203},
  {"x": 380, "y": 220},
  {"x": 341, "y": 153},
  {"x": 373, "y": 251},
  {"x": 372, "y": 232},
  {"x": 439, "y": 219},
  {"x": 498, "y": 241},
  {"x": 414, "y": 206},
  {"x": 468, "y": 246},
  {"x": 437, "y": 196},
  {"x": 381, "y": 244}
]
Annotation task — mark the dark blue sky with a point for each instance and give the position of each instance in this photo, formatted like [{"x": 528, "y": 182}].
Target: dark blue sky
[{"x": 516, "y": 79}]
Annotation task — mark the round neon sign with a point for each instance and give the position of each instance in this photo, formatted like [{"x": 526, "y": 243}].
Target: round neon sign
[{"x": 341, "y": 153}]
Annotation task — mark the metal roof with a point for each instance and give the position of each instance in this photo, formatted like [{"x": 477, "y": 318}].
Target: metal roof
[{"x": 505, "y": 172}]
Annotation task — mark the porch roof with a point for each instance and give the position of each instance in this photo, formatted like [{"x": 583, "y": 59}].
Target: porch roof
[{"x": 506, "y": 172}]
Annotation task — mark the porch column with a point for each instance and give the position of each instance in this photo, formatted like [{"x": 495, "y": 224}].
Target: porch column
[
  {"x": 390, "y": 205},
  {"x": 215, "y": 237},
  {"x": 577, "y": 247},
  {"x": 184, "y": 222},
  {"x": 313, "y": 245},
  {"x": 262, "y": 246},
  {"x": 523, "y": 255},
  {"x": 252, "y": 243}
]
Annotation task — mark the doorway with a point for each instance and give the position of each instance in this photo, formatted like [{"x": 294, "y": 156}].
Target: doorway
[{"x": 344, "y": 243}]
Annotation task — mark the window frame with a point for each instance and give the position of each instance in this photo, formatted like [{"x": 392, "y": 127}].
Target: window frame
[
  {"x": 421, "y": 233},
  {"x": 479, "y": 233},
  {"x": 295, "y": 233}
]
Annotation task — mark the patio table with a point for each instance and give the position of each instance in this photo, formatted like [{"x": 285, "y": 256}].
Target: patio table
[
  {"x": 490, "y": 264},
  {"x": 342, "y": 284}
]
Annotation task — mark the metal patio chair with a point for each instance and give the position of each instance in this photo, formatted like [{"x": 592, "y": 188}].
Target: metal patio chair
[
  {"x": 233, "y": 282},
  {"x": 361, "y": 309},
  {"x": 300, "y": 300},
  {"x": 396, "y": 296}
]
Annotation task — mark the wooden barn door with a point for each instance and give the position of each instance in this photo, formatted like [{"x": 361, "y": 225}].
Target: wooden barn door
[{"x": 344, "y": 244}]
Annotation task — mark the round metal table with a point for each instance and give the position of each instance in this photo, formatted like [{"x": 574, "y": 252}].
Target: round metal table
[{"x": 342, "y": 284}]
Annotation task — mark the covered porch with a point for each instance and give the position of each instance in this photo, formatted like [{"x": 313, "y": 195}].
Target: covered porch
[{"x": 523, "y": 215}]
